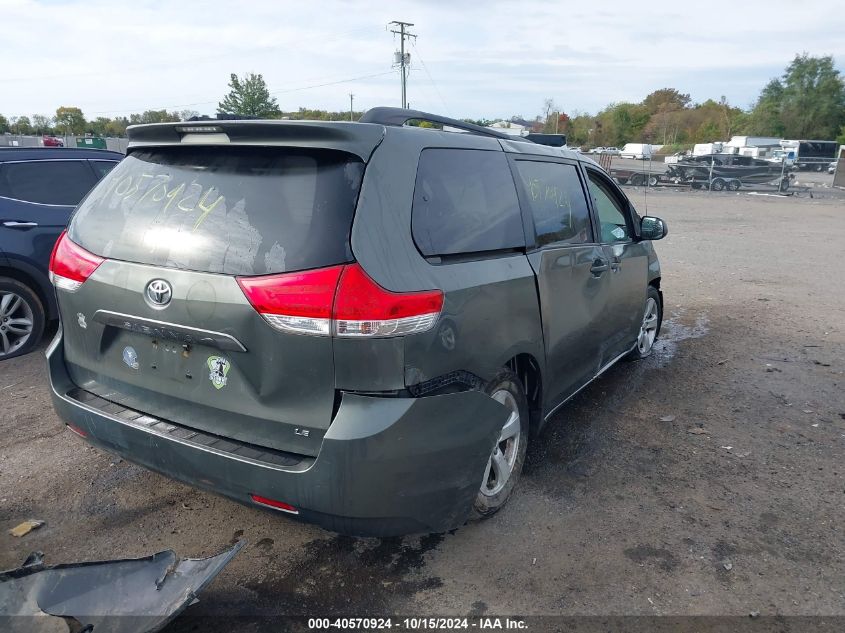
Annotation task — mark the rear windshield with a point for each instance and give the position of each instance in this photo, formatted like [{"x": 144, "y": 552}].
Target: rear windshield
[{"x": 234, "y": 210}]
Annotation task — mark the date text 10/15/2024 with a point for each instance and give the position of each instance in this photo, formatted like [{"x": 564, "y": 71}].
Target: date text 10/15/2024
[{"x": 417, "y": 624}]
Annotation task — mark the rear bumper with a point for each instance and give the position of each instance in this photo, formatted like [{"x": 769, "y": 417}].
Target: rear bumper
[{"x": 387, "y": 466}]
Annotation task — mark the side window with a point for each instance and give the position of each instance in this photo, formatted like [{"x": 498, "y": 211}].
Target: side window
[
  {"x": 102, "y": 167},
  {"x": 610, "y": 209},
  {"x": 557, "y": 203},
  {"x": 62, "y": 182},
  {"x": 465, "y": 202}
]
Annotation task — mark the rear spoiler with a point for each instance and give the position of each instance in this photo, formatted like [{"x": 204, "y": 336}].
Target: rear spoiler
[{"x": 352, "y": 138}]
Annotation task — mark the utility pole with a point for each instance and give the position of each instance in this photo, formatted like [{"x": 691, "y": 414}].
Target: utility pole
[
  {"x": 351, "y": 96},
  {"x": 403, "y": 34}
]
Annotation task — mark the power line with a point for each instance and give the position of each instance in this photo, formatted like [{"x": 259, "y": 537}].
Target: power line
[
  {"x": 273, "y": 92},
  {"x": 333, "y": 83},
  {"x": 430, "y": 78}
]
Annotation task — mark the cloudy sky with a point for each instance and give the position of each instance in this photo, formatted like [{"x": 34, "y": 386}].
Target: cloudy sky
[{"x": 471, "y": 58}]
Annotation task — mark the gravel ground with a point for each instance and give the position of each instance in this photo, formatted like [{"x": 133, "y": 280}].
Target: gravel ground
[{"x": 708, "y": 479}]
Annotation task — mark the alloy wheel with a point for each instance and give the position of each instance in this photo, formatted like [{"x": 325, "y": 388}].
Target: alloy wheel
[
  {"x": 501, "y": 463},
  {"x": 16, "y": 322},
  {"x": 648, "y": 329}
]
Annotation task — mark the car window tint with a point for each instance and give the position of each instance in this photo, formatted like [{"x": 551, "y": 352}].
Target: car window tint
[
  {"x": 62, "y": 182},
  {"x": 614, "y": 227},
  {"x": 557, "y": 203},
  {"x": 230, "y": 210},
  {"x": 465, "y": 202},
  {"x": 102, "y": 167}
]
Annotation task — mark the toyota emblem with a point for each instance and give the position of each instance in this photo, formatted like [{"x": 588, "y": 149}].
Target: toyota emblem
[{"x": 159, "y": 293}]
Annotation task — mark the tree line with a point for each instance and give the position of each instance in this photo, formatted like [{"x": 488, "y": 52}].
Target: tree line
[{"x": 807, "y": 101}]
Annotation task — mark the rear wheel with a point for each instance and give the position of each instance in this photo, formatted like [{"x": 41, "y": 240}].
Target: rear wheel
[
  {"x": 734, "y": 185},
  {"x": 21, "y": 318},
  {"x": 505, "y": 464},
  {"x": 717, "y": 185},
  {"x": 652, "y": 181},
  {"x": 637, "y": 180},
  {"x": 649, "y": 326}
]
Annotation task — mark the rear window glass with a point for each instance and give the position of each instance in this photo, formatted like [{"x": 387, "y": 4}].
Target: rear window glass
[
  {"x": 465, "y": 202},
  {"x": 234, "y": 210},
  {"x": 58, "y": 182}
]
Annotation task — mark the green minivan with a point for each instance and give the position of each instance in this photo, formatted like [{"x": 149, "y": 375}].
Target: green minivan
[{"x": 358, "y": 324}]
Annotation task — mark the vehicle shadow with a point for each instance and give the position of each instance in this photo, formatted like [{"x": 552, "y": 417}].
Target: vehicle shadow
[{"x": 578, "y": 439}]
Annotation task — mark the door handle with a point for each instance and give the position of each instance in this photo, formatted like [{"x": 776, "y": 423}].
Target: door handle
[
  {"x": 598, "y": 267},
  {"x": 14, "y": 224}
]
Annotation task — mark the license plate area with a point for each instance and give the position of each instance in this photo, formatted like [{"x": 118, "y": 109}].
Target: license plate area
[
  {"x": 152, "y": 359},
  {"x": 174, "y": 361}
]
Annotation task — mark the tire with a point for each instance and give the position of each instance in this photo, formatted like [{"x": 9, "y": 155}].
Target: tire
[
  {"x": 717, "y": 184},
  {"x": 696, "y": 185},
  {"x": 651, "y": 322},
  {"x": 652, "y": 181},
  {"x": 21, "y": 318},
  {"x": 734, "y": 185},
  {"x": 637, "y": 180},
  {"x": 492, "y": 495}
]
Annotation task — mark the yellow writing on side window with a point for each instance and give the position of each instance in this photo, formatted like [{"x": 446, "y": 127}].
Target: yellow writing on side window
[
  {"x": 543, "y": 192},
  {"x": 158, "y": 192}
]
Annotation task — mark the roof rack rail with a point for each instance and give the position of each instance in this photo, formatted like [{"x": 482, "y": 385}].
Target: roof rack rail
[{"x": 400, "y": 116}]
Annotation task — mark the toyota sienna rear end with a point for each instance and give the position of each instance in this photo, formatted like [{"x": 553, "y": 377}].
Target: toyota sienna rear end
[{"x": 223, "y": 325}]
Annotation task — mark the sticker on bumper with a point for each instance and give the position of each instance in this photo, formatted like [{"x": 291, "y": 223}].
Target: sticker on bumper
[
  {"x": 130, "y": 357},
  {"x": 219, "y": 368}
]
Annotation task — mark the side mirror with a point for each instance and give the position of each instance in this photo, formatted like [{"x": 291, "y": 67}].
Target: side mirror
[{"x": 652, "y": 228}]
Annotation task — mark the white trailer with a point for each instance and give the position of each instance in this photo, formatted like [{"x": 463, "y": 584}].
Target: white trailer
[
  {"x": 754, "y": 146},
  {"x": 705, "y": 149},
  {"x": 639, "y": 151}
]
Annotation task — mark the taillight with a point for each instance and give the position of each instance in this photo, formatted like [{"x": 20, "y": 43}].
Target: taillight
[
  {"x": 363, "y": 308},
  {"x": 341, "y": 300},
  {"x": 295, "y": 302},
  {"x": 70, "y": 264}
]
